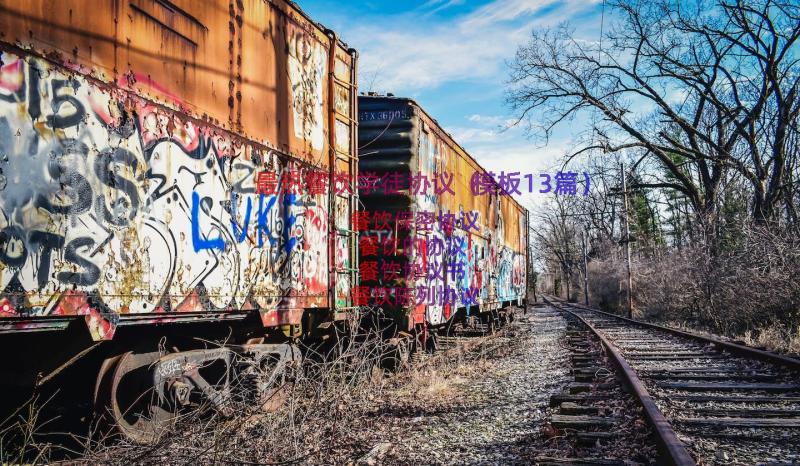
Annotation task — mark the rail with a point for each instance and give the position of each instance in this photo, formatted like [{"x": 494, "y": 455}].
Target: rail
[
  {"x": 743, "y": 350},
  {"x": 703, "y": 388},
  {"x": 676, "y": 454}
]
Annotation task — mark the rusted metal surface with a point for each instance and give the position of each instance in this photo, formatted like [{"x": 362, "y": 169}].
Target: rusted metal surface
[
  {"x": 674, "y": 450},
  {"x": 397, "y": 137},
  {"x": 191, "y": 56},
  {"x": 494, "y": 258},
  {"x": 131, "y": 138},
  {"x": 142, "y": 393}
]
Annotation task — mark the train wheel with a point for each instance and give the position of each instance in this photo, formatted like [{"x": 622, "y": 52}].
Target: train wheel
[
  {"x": 128, "y": 401},
  {"x": 432, "y": 342},
  {"x": 273, "y": 385}
]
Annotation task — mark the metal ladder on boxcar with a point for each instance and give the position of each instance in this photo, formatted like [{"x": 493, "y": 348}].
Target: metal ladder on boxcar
[{"x": 344, "y": 158}]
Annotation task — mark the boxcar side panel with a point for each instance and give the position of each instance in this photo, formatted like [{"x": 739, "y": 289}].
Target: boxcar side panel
[
  {"x": 252, "y": 67},
  {"x": 495, "y": 255},
  {"x": 511, "y": 267},
  {"x": 130, "y": 179},
  {"x": 398, "y": 137}
]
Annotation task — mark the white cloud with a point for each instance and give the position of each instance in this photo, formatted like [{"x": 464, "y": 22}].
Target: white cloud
[
  {"x": 520, "y": 156},
  {"x": 676, "y": 96},
  {"x": 428, "y": 58},
  {"x": 466, "y": 136},
  {"x": 525, "y": 158},
  {"x": 486, "y": 119},
  {"x": 500, "y": 123},
  {"x": 503, "y": 10},
  {"x": 439, "y": 5},
  {"x": 410, "y": 53}
]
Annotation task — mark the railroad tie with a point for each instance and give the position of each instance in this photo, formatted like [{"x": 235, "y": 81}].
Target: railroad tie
[
  {"x": 571, "y": 408},
  {"x": 581, "y": 421},
  {"x": 701, "y": 387},
  {"x": 559, "y": 398}
]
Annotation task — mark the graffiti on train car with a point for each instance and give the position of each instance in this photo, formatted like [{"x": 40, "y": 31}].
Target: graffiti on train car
[
  {"x": 444, "y": 269},
  {"x": 105, "y": 195},
  {"x": 307, "y": 70}
]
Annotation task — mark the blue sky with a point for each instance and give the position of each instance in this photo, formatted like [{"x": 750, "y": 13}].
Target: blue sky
[{"x": 450, "y": 56}]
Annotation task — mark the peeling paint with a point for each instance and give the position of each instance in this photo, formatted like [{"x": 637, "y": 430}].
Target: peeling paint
[{"x": 144, "y": 211}]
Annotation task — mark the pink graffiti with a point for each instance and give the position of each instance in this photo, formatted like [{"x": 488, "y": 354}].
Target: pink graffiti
[
  {"x": 131, "y": 80},
  {"x": 317, "y": 217},
  {"x": 7, "y": 308},
  {"x": 518, "y": 272},
  {"x": 11, "y": 76}
]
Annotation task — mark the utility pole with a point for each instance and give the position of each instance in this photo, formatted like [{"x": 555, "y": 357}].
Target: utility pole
[
  {"x": 627, "y": 239},
  {"x": 585, "y": 269}
]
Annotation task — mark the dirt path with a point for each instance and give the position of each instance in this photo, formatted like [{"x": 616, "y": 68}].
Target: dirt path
[{"x": 488, "y": 409}]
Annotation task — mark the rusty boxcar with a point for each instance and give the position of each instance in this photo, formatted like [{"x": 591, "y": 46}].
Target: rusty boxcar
[
  {"x": 401, "y": 145},
  {"x": 133, "y": 137}
]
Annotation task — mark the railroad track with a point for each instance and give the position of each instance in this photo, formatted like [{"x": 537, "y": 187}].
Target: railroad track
[
  {"x": 710, "y": 402},
  {"x": 594, "y": 421}
]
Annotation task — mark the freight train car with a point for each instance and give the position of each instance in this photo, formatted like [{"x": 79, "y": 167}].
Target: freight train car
[
  {"x": 440, "y": 242},
  {"x": 166, "y": 180}
]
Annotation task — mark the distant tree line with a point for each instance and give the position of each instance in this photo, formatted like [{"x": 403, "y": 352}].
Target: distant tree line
[{"x": 700, "y": 99}]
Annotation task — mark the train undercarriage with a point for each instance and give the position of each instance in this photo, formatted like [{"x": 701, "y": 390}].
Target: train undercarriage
[{"x": 141, "y": 383}]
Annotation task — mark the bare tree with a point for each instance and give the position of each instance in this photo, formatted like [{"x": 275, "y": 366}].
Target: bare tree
[
  {"x": 696, "y": 87},
  {"x": 557, "y": 239}
]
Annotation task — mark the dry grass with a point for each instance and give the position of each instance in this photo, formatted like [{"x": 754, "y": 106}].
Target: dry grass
[
  {"x": 432, "y": 385},
  {"x": 774, "y": 338},
  {"x": 18, "y": 436},
  {"x": 331, "y": 414},
  {"x": 747, "y": 291}
]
